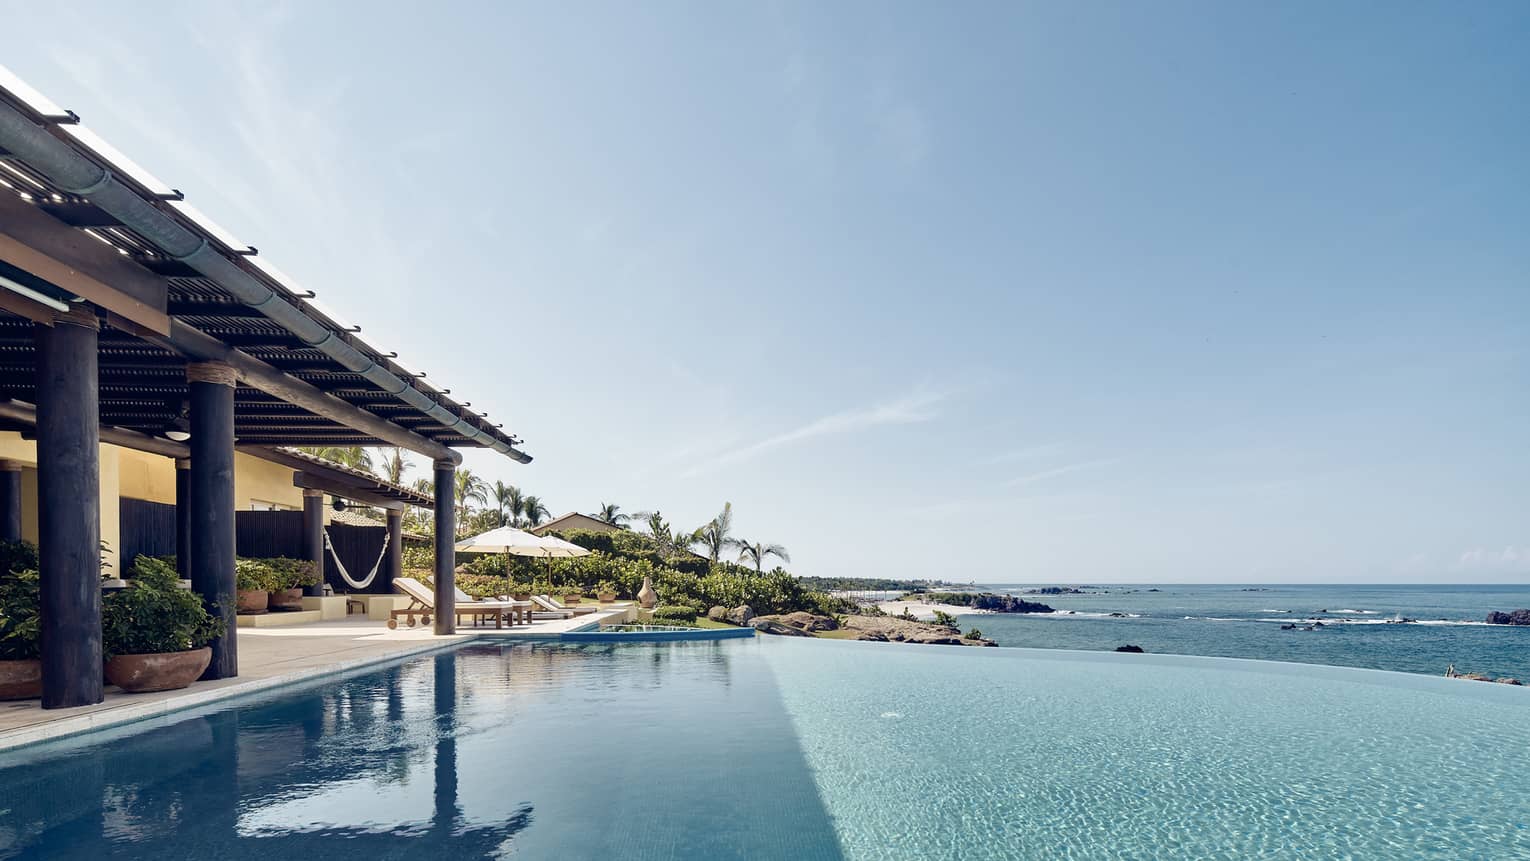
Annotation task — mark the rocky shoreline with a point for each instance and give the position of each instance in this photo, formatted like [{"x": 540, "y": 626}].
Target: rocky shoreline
[{"x": 881, "y": 629}]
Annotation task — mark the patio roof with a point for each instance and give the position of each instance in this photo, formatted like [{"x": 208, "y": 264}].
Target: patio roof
[
  {"x": 317, "y": 473},
  {"x": 182, "y": 287}
]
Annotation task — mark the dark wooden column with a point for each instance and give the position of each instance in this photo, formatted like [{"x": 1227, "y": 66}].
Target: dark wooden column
[
  {"x": 69, "y": 509},
  {"x": 212, "y": 504},
  {"x": 313, "y": 535},
  {"x": 446, "y": 547},
  {"x": 10, "y": 501},
  {"x": 183, "y": 517},
  {"x": 445, "y": 815},
  {"x": 395, "y": 561}
]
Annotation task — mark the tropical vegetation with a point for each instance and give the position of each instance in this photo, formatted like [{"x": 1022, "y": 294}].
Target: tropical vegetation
[{"x": 155, "y": 614}]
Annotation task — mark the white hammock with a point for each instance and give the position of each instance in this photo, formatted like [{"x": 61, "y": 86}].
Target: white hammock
[{"x": 346, "y": 575}]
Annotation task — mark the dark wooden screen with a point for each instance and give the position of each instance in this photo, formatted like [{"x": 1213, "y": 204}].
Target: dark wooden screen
[
  {"x": 263, "y": 534},
  {"x": 357, "y": 547},
  {"x": 145, "y": 528}
]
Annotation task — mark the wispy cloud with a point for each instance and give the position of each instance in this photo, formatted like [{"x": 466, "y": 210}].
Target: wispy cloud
[
  {"x": 1032, "y": 452},
  {"x": 1510, "y": 558},
  {"x": 1054, "y": 472},
  {"x": 913, "y": 408}
]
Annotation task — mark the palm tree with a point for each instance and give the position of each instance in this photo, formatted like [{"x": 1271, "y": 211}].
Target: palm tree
[
  {"x": 533, "y": 510},
  {"x": 394, "y": 466},
  {"x": 425, "y": 486},
  {"x": 470, "y": 488},
  {"x": 681, "y": 541},
  {"x": 717, "y": 535},
  {"x": 353, "y": 456},
  {"x": 507, "y": 499},
  {"x": 757, "y": 551},
  {"x": 610, "y": 513}
]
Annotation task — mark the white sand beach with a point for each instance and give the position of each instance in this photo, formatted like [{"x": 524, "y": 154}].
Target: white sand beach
[{"x": 926, "y": 611}]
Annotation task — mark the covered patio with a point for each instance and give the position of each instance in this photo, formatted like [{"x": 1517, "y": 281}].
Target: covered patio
[{"x": 128, "y": 318}]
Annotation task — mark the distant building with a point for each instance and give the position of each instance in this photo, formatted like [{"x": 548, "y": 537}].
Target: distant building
[{"x": 573, "y": 520}]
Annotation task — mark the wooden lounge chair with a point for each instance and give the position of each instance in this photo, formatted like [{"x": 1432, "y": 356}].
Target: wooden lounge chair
[
  {"x": 423, "y": 604},
  {"x": 553, "y": 605},
  {"x": 521, "y": 610}
]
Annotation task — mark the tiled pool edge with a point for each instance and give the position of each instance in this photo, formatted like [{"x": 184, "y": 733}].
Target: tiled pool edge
[
  {"x": 64, "y": 726},
  {"x": 68, "y": 725}
]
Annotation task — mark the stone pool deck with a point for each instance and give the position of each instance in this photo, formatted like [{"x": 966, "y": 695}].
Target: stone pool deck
[{"x": 272, "y": 658}]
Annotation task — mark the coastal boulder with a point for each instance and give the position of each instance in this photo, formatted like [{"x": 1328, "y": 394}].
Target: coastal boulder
[
  {"x": 810, "y": 621},
  {"x": 1513, "y": 617},
  {"x": 1135, "y": 650},
  {"x": 767, "y": 625},
  {"x": 740, "y": 615},
  {"x": 718, "y": 614}
]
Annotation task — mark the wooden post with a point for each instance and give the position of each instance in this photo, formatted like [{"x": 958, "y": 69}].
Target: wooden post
[
  {"x": 313, "y": 535},
  {"x": 395, "y": 561},
  {"x": 183, "y": 517},
  {"x": 212, "y": 505},
  {"x": 10, "y": 501},
  {"x": 446, "y": 547},
  {"x": 69, "y": 509}
]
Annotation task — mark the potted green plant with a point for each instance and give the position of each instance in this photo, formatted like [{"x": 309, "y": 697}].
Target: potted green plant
[
  {"x": 605, "y": 592},
  {"x": 20, "y": 668},
  {"x": 290, "y": 576},
  {"x": 155, "y": 633},
  {"x": 253, "y": 581}
]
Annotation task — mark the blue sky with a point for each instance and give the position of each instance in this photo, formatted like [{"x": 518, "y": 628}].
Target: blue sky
[{"x": 1013, "y": 292}]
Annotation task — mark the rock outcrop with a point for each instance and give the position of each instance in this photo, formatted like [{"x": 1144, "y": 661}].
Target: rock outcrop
[
  {"x": 718, "y": 613},
  {"x": 804, "y": 622},
  {"x": 896, "y": 630},
  {"x": 1513, "y": 617},
  {"x": 739, "y": 615},
  {"x": 1135, "y": 650},
  {"x": 774, "y": 625}
]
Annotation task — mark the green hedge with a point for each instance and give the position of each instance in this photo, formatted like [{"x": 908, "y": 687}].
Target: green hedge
[{"x": 674, "y": 613}]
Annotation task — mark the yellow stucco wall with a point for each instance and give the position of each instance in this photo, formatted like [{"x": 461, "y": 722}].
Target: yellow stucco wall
[
  {"x": 138, "y": 475},
  {"x": 257, "y": 480},
  {"x": 145, "y": 476}
]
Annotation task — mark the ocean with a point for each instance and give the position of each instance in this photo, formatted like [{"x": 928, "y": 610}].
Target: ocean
[{"x": 1359, "y": 627}]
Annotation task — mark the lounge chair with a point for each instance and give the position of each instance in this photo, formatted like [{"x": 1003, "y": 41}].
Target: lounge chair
[
  {"x": 423, "y": 604},
  {"x": 522, "y": 612},
  {"x": 553, "y": 605}
]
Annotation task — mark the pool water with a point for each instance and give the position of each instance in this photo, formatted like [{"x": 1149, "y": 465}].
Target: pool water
[{"x": 801, "y": 749}]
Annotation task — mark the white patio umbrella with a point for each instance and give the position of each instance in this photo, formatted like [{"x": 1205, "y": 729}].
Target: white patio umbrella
[{"x": 516, "y": 542}]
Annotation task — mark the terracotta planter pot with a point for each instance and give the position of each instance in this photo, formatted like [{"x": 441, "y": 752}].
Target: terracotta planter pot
[
  {"x": 571, "y": 599},
  {"x": 606, "y": 597},
  {"x": 20, "y": 680},
  {"x": 165, "y": 671},
  {"x": 521, "y": 596},
  {"x": 253, "y": 601},
  {"x": 287, "y": 599}
]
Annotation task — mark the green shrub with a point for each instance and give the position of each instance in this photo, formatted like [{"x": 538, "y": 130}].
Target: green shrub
[
  {"x": 19, "y": 600},
  {"x": 292, "y": 573},
  {"x": 155, "y": 614},
  {"x": 973, "y": 634},
  {"x": 672, "y": 613},
  {"x": 944, "y": 618},
  {"x": 696, "y": 565},
  {"x": 250, "y": 575},
  {"x": 419, "y": 557},
  {"x": 17, "y": 556}
]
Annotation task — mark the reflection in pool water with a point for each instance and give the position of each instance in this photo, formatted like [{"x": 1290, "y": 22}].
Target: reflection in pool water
[
  {"x": 795, "y": 749},
  {"x": 536, "y": 751}
]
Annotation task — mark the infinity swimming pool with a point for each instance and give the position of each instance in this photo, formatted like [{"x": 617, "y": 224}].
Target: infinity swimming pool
[{"x": 776, "y": 748}]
